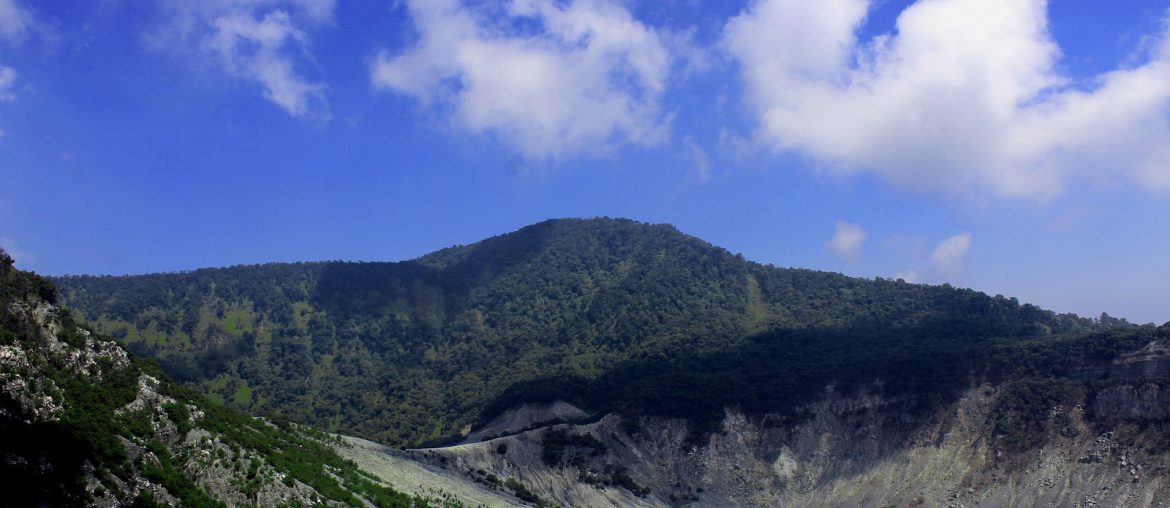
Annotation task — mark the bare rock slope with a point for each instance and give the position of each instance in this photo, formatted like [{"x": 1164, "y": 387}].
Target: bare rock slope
[{"x": 1106, "y": 448}]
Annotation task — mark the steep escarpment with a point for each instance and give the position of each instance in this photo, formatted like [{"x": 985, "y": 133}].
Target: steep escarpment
[
  {"x": 1073, "y": 422},
  {"x": 855, "y": 450}
]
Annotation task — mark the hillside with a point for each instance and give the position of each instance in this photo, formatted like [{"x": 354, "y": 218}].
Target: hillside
[
  {"x": 612, "y": 315},
  {"x": 1101, "y": 443},
  {"x": 82, "y": 422}
]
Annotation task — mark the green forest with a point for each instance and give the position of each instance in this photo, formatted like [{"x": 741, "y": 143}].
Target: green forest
[{"x": 609, "y": 314}]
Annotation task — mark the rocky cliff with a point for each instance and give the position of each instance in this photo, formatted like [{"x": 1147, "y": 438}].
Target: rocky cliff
[
  {"x": 1104, "y": 446},
  {"x": 163, "y": 434}
]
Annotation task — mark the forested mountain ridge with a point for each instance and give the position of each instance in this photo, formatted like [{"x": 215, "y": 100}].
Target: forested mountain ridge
[{"x": 615, "y": 314}]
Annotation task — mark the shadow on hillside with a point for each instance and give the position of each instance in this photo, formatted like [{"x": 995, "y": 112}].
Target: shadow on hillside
[
  {"x": 43, "y": 462},
  {"x": 429, "y": 287},
  {"x": 349, "y": 290},
  {"x": 776, "y": 373},
  {"x": 917, "y": 370}
]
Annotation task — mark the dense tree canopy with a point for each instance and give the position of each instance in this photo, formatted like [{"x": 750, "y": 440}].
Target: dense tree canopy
[{"x": 612, "y": 314}]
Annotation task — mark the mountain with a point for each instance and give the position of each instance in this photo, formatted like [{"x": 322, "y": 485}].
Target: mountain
[
  {"x": 611, "y": 315},
  {"x": 573, "y": 363},
  {"x": 83, "y": 422}
]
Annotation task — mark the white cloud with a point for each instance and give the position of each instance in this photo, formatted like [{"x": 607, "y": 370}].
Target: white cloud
[
  {"x": 15, "y": 21},
  {"x": 950, "y": 255},
  {"x": 7, "y": 83},
  {"x": 847, "y": 240},
  {"x": 701, "y": 158},
  {"x": 580, "y": 77},
  {"x": 263, "y": 41},
  {"x": 967, "y": 94},
  {"x": 910, "y": 276}
]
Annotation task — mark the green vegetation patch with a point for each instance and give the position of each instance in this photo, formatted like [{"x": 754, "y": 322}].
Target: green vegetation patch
[
  {"x": 239, "y": 321},
  {"x": 243, "y": 395}
]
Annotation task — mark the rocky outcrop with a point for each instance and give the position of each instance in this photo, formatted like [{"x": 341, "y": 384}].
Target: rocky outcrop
[
  {"x": 525, "y": 417},
  {"x": 34, "y": 400},
  {"x": 37, "y": 397},
  {"x": 82, "y": 424},
  {"x": 1146, "y": 402},
  {"x": 241, "y": 477},
  {"x": 1133, "y": 387},
  {"x": 1148, "y": 364}
]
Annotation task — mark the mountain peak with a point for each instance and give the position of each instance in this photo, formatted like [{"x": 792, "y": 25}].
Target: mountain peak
[
  {"x": 565, "y": 234},
  {"x": 594, "y": 304}
]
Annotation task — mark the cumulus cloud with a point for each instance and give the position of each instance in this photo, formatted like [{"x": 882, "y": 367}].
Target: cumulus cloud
[
  {"x": 262, "y": 41},
  {"x": 847, "y": 240},
  {"x": 7, "y": 83},
  {"x": 552, "y": 79},
  {"x": 949, "y": 256},
  {"x": 965, "y": 94}
]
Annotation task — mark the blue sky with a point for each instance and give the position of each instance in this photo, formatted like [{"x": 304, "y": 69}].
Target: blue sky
[{"x": 1012, "y": 146}]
